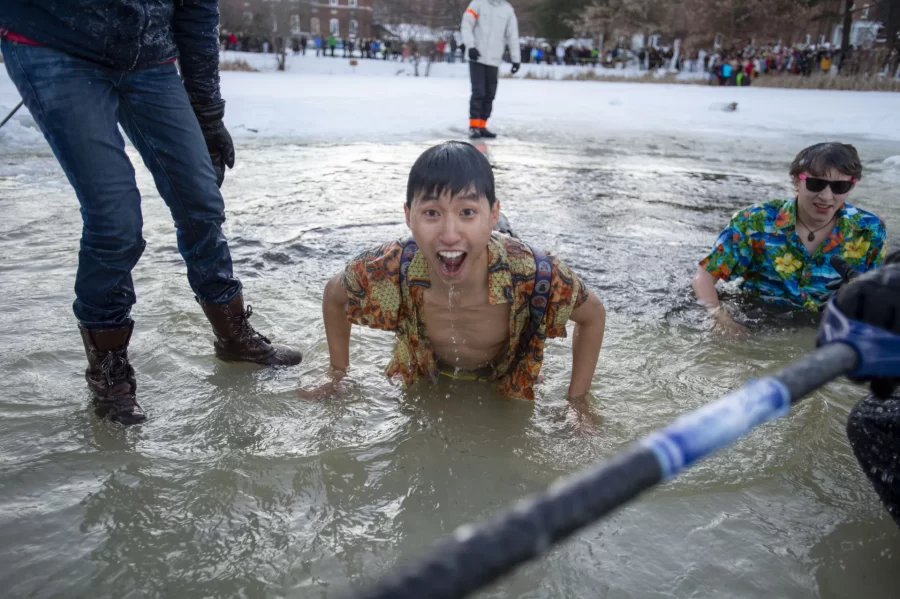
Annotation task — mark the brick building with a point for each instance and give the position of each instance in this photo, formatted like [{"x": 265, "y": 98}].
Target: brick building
[{"x": 346, "y": 19}]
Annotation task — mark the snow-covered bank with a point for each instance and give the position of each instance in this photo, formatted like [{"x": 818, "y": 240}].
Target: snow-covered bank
[
  {"x": 326, "y": 65},
  {"x": 329, "y": 98},
  {"x": 371, "y": 102}
]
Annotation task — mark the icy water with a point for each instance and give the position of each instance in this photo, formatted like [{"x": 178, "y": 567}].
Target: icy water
[{"x": 235, "y": 487}]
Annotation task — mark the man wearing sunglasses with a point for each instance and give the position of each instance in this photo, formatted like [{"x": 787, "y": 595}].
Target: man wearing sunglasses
[{"x": 782, "y": 249}]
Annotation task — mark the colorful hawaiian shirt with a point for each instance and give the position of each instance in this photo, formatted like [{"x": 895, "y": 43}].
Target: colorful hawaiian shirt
[
  {"x": 761, "y": 246},
  {"x": 378, "y": 300}
]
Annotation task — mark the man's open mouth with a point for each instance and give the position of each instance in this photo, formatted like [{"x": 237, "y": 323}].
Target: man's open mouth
[
  {"x": 451, "y": 262},
  {"x": 822, "y": 208}
]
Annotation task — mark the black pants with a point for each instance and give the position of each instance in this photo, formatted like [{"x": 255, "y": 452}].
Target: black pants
[
  {"x": 484, "y": 89},
  {"x": 874, "y": 432}
]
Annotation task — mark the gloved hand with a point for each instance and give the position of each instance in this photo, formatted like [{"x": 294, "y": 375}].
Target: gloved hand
[
  {"x": 847, "y": 272},
  {"x": 218, "y": 140},
  {"x": 515, "y": 68},
  {"x": 874, "y": 298},
  {"x": 474, "y": 54}
]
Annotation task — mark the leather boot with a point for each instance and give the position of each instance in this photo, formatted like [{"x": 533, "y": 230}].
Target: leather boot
[
  {"x": 109, "y": 374},
  {"x": 236, "y": 339}
]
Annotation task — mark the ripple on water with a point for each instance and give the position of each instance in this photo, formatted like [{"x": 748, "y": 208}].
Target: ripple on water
[{"x": 237, "y": 487}]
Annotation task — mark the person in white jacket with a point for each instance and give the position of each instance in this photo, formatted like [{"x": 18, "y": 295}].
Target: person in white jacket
[{"x": 488, "y": 27}]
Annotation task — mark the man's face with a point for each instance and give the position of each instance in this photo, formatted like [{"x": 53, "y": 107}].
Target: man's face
[
  {"x": 452, "y": 232},
  {"x": 820, "y": 207}
]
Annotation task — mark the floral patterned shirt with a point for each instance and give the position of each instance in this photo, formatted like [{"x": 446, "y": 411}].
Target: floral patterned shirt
[
  {"x": 378, "y": 300},
  {"x": 761, "y": 245}
]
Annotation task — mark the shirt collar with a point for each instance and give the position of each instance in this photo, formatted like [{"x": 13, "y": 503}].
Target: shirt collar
[
  {"x": 499, "y": 275},
  {"x": 787, "y": 216}
]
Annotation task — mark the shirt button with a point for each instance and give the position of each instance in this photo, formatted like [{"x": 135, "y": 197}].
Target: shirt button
[{"x": 820, "y": 261}]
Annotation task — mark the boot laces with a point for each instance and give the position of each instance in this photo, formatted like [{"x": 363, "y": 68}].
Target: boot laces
[
  {"x": 114, "y": 367},
  {"x": 247, "y": 332}
]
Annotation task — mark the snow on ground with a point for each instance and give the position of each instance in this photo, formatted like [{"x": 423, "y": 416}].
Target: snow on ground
[
  {"x": 21, "y": 130},
  {"x": 326, "y": 65},
  {"x": 327, "y": 99}
]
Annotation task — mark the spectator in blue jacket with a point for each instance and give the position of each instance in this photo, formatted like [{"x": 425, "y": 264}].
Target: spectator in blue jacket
[{"x": 83, "y": 69}]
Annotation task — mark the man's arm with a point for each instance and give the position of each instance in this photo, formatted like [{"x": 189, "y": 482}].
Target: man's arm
[
  {"x": 512, "y": 40},
  {"x": 337, "y": 327},
  {"x": 196, "y": 27},
  {"x": 730, "y": 257},
  {"x": 469, "y": 19},
  {"x": 704, "y": 285},
  {"x": 337, "y": 332},
  {"x": 590, "y": 324}
]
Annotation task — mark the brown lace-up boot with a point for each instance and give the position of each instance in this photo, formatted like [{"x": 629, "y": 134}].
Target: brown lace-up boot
[
  {"x": 110, "y": 376},
  {"x": 237, "y": 341}
]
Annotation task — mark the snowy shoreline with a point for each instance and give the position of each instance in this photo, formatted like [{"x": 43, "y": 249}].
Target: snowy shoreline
[{"x": 329, "y": 100}]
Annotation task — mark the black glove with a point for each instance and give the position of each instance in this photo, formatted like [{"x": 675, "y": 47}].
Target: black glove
[
  {"x": 874, "y": 298},
  {"x": 218, "y": 140},
  {"x": 474, "y": 54},
  {"x": 515, "y": 68},
  {"x": 847, "y": 272}
]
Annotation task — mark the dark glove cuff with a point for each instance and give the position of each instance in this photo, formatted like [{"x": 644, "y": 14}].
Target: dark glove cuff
[{"x": 210, "y": 113}]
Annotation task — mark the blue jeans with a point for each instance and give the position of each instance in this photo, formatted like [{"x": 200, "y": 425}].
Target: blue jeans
[{"x": 78, "y": 105}]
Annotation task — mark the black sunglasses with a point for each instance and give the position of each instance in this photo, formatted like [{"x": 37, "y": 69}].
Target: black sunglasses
[{"x": 839, "y": 188}]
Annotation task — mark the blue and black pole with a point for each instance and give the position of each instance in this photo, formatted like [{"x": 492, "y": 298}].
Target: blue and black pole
[{"x": 475, "y": 555}]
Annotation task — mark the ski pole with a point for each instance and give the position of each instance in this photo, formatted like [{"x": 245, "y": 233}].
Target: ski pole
[
  {"x": 476, "y": 555},
  {"x": 10, "y": 115}
]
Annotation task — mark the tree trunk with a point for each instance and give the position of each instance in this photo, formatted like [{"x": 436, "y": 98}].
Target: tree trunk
[
  {"x": 892, "y": 28},
  {"x": 845, "y": 34}
]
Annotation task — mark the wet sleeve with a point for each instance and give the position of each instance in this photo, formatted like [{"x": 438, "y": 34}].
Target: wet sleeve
[
  {"x": 372, "y": 281},
  {"x": 731, "y": 255},
  {"x": 196, "y": 27},
  {"x": 567, "y": 292},
  {"x": 871, "y": 429}
]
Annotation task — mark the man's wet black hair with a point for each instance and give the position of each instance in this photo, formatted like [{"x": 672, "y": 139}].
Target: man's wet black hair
[
  {"x": 453, "y": 166},
  {"x": 817, "y": 159}
]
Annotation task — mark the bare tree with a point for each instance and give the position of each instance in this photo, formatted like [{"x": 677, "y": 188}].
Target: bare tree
[
  {"x": 848, "y": 23},
  {"x": 415, "y": 23},
  {"x": 700, "y": 22}
]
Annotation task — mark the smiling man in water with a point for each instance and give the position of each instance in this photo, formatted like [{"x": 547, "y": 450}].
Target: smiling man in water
[
  {"x": 463, "y": 300},
  {"x": 782, "y": 249}
]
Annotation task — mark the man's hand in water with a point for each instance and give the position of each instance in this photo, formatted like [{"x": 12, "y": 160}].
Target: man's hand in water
[
  {"x": 704, "y": 285},
  {"x": 728, "y": 326},
  {"x": 586, "y": 420},
  {"x": 327, "y": 389}
]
